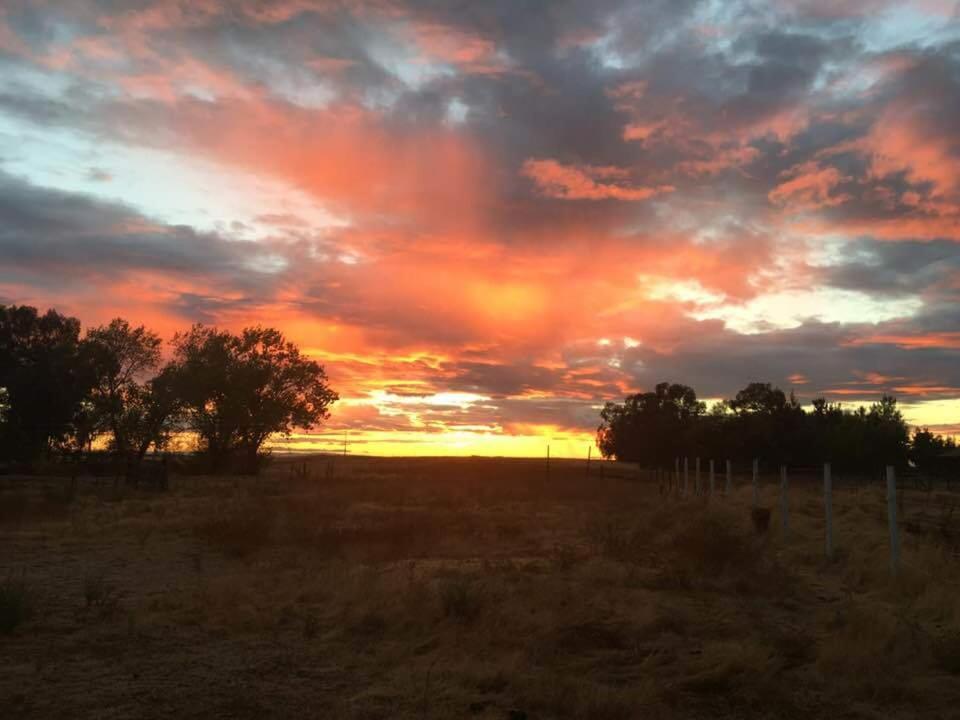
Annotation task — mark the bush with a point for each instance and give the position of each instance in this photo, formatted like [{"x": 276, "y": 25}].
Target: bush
[{"x": 16, "y": 603}]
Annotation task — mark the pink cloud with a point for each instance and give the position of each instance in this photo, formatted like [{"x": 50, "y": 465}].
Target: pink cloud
[
  {"x": 581, "y": 183},
  {"x": 809, "y": 186}
]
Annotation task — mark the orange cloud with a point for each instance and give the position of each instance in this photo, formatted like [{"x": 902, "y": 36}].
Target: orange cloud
[
  {"x": 572, "y": 183},
  {"x": 949, "y": 340},
  {"x": 809, "y": 186}
]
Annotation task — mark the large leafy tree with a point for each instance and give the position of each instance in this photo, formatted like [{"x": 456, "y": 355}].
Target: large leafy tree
[
  {"x": 887, "y": 433},
  {"x": 238, "y": 390},
  {"x": 767, "y": 424},
  {"x": 927, "y": 450},
  {"x": 121, "y": 357},
  {"x": 43, "y": 380},
  {"x": 135, "y": 407},
  {"x": 762, "y": 422},
  {"x": 650, "y": 427}
]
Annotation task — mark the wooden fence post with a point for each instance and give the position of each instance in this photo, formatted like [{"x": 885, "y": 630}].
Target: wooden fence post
[
  {"x": 729, "y": 484},
  {"x": 892, "y": 520},
  {"x": 756, "y": 487},
  {"x": 828, "y": 509},
  {"x": 784, "y": 502},
  {"x": 711, "y": 478}
]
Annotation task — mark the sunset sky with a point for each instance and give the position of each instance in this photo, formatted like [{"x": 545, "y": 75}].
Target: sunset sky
[{"x": 486, "y": 218}]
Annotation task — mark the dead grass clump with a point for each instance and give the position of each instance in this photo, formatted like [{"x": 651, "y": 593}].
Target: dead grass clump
[
  {"x": 366, "y": 535},
  {"x": 461, "y": 597},
  {"x": 710, "y": 544},
  {"x": 563, "y": 557},
  {"x": 17, "y": 603},
  {"x": 760, "y": 517},
  {"x": 240, "y": 528},
  {"x": 876, "y": 652},
  {"x": 561, "y": 696},
  {"x": 726, "y": 666},
  {"x": 613, "y": 539},
  {"x": 13, "y": 507},
  {"x": 946, "y": 651},
  {"x": 590, "y": 636},
  {"x": 101, "y": 597}
]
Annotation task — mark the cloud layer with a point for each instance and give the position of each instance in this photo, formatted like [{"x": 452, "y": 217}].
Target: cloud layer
[{"x": 489, "y": 218}]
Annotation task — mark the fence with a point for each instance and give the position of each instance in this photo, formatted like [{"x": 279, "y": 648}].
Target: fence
[{"x": 915, "y": 504}]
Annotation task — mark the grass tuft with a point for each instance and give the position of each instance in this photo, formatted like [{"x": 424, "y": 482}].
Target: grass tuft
[
  {"x": 461, "y": 598},
  {"x": 17, "y": 603}
]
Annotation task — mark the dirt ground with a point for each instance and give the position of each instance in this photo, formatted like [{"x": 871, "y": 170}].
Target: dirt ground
[{"x": 452, "y": 588}]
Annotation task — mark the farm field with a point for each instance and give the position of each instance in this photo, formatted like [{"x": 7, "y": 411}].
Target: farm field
[{"x": 482, "y": 588}]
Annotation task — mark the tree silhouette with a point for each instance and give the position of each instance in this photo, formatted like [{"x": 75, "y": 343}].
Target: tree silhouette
[
  {"x": 760, "y": 421},
  {"x": 120, "y": 356},
  {"x": 43, "y": 378},
  {"x": 650, "y": 426},
  {"x": 237, "y": 390}
]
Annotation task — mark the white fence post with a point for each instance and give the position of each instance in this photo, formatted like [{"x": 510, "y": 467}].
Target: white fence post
[
  {"x": 784, "y": 503},
  {"x": 892, "y": 519},
  {"x": 828, "y": 509},
  {"x": 711, "y": 478},
  {"x": 756, "y": 486},
  {"x": 729, "y": 479}
]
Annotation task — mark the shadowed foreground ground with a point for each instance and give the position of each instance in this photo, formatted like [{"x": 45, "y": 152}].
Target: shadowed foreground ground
[{"x": 464, "y": 588}]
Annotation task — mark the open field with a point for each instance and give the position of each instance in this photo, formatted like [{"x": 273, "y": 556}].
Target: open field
[{"x": 448, "y": 588}]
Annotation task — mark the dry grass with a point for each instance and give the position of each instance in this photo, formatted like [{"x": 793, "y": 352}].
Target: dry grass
[
  {"x": 465, "y": 588},
  {"x": 17, "y": 602}
]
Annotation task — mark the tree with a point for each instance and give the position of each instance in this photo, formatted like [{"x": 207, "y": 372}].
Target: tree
[
  {"x": 761, "y": 398},
  {"x": 649, "y": 427},
  {"x": 761, "y": 421},
  {"x": 887, "y": 433},
  {"x": 237, "y": 390},
  {"x": 120, "y": 356},
  {"x": 767, "y": 424},
  {"x": 927, "y": 450},
  {"x": 43, "y": 380}
]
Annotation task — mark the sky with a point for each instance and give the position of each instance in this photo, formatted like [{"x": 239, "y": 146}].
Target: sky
[{"x": 487, "y": 218}]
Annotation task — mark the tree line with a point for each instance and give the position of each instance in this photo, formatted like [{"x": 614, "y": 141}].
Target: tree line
[
  {"x": 761, "y": 421},
  {"x": 62, "y": 389}
]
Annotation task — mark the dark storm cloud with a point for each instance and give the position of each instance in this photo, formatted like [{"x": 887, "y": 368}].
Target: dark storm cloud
[
  {"x": 906, "y": 267},
  {"x": 58, "y": 239},
  {"x": 727, "y": 104},
  {"x": 826, "y": 355}
]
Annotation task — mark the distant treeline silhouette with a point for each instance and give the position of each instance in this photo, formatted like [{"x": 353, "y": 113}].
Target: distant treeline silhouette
[
  {"x": 61, "y": 389},
  {"x": 761, "y": 421}
]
